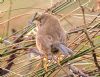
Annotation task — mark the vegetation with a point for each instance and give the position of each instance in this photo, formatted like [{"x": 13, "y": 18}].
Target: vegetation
[{"x": 82, "y": 31}]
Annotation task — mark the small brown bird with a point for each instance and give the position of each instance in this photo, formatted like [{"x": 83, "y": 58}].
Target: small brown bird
[{"x": 49, "y": 35}]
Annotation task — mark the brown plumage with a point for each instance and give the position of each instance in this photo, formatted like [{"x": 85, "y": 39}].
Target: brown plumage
[{"x": 49, "y": 33}]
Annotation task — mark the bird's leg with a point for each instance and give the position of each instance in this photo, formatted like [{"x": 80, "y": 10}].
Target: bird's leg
[
  {"x": 45, "y": 62},
  {"x": 58, "y": 58},
  {"x": 65, "y": 50}
]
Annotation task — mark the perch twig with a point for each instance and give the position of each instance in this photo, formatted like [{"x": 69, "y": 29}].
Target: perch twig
[{"x": 64, "y": 61}]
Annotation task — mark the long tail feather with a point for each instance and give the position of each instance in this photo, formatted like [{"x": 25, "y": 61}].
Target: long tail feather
[{"x": 65, "y": 50}]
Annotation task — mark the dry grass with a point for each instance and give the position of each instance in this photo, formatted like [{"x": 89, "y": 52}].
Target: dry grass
[{"x": 70, "y": 21}]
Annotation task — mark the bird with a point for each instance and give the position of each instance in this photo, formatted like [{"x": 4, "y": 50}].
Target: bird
[{"x": 50, "y": 36}]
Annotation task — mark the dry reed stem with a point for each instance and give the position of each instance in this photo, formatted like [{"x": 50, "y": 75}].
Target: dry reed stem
[{"x": 91, "y": 43}]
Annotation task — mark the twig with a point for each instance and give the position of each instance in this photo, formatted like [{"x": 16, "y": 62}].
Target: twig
[
  {"x": 87, "y": 41},
  {"x": 15, "y": 50},
  {"x": 74, "y": 11},
  {"x": 68, "y": 22},
  {"x": 79, "y": 36},
  {"x": 57, "y": 72},
  {"x": 16, "y": 44},
  {"x": 91, "y": 43},
  {"x": 54, "y": 66},
  {"x": 13, "y": 72}
]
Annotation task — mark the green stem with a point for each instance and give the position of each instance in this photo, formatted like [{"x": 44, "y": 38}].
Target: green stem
[{"x": 53, "y": 67}]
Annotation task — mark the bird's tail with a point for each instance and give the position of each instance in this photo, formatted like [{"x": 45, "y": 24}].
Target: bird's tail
[{"x": 65, "y": 50}]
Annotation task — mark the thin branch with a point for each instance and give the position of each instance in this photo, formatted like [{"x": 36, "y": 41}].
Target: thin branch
[
  {"x": 79, "y": 36},
  {"x": 15, "y": 50},
  {"x": 87, "y": 41},
  {"x": 87, "y": 35},
  {"x": 64, "y": 61}
]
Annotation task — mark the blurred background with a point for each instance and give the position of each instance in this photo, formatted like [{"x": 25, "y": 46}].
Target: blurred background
[{"x": 17, "y": 13}]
